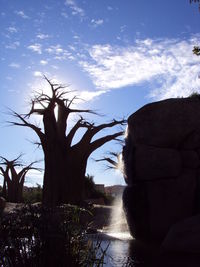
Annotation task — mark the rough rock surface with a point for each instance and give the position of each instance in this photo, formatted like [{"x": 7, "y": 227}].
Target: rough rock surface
[
  {"x": 2, "y": 203},
  {"x": 183, "y": 236},
  {"x": 162, "y": 167}
]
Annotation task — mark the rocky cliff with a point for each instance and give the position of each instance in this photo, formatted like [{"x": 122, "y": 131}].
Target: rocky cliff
[{"x": 162, "y": 168}]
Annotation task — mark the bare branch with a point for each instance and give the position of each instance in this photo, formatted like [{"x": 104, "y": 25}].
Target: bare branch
[
  {"x": 28, "y": 168},
  {"x": 101, "y": 141},
  {"x": 91, "y": 132},
  {"x": 15, "y": 162},
  {"x": 109, "y": 160},
  {"x": 24, "y": 123}
]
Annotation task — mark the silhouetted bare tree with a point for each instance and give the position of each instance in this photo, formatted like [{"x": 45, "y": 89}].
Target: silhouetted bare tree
[
  {"x": 65, "y": 162},
  {"x": 113, "y": 160},
  {"x": 195, "y": 1},
  {"x": 14, "y": 180}
]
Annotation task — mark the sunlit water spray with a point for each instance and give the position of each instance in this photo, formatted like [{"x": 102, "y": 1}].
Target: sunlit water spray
[{"x": 118, "y": 227}]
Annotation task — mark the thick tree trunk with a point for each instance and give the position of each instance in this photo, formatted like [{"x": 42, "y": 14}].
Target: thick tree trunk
[
  {"x": 14, "y": 192},
  {"x": 64, "y": 176},
  {"x": 4, "y": 191}
]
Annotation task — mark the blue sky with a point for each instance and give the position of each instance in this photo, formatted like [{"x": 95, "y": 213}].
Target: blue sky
[{"x": 118, "y": 55}]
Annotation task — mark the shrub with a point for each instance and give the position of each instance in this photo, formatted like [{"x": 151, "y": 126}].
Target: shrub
[
  {"x": 32, "y": 194},
  {"x": 38, "y": 236}
]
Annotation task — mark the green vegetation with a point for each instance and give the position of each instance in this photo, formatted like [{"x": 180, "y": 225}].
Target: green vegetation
[
  {"x": 92, "y": 193},
  {"x": 196, "y": 50},
  {"x": 32, "y": 194},
  {"x": 194, "y": 95},
  {"x": 37, "y": 236}
]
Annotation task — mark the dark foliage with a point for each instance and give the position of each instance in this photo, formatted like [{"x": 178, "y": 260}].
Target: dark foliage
[
  {"x": 38, "y": 236},
  {"x": 195, "y": 95},
  {"x": 92, "y": 193},
  {"x": 196, "y": 50},
  {"x": 32, "y": 194}
]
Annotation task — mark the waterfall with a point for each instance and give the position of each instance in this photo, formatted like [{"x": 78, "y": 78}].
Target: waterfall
[{"x": 118, "y": 226}]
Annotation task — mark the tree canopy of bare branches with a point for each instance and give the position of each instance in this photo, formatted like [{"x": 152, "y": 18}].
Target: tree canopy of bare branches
[
  {"x": 13, "y": 179},
  {"x": 65, "y": 161}
]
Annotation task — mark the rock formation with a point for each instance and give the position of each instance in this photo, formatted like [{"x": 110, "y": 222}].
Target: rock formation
[
  {"x": 162, "y": 168},
  {"x": 2, "y": 204}
]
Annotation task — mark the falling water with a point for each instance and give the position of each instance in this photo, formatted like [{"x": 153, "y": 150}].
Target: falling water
[
  {"x": 118, "y": 236},
  {"x": 118, "y": 227}
]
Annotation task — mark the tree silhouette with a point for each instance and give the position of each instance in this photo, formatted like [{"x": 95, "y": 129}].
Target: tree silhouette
[
  {"x": 196, "y": 50},
  {"x": 14, "y": 180},
  {"x": 65, "y": 162},
  {"x": 195, "y": 1},
  {"x": 113, "y": 160}
]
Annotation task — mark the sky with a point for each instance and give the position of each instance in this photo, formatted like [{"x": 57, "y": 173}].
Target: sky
[{"x": 117, "y": 55}]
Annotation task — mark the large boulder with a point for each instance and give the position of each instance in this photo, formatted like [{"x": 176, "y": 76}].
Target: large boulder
[
  {"x": 168, "y": 123},
  {"x": 162, "y": 167},
  {"x": 183, "y": 236},
  {"x": 163, "y": 162},
  {"x": 2, "y": 204}
]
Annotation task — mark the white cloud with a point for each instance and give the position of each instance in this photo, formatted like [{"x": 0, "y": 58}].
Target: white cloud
[
  {"x": 35, "y": 48},
  {"x": 14, "y": 65},
  {"x": 59, "y": 52},
  {"x": 122, "y": 28},
  {"x": 71, "y": 47},
  {"x": 64, "y": 14},
  {"x": 109, "y": 8},
  {"x": 97, "y": 22},
  {"x": 33, "y": 178},
  {"x": 42, "y": 36},
  {"x": 167, "y": 64},
  {"x": 12, "y": 29},
  {"x": 37, "y": 74},
  {"x": 76, "y": 37},
  {"x": 90, "y": 95},
  {"x": 43, "y": 62},
  {"x": 22, "y": 14},
  {"x": 76, "y": 10},
  {"x": 55, "y": 67},
  {"x": 9, "y": 78},
  {"x": 13, "y": 45}
]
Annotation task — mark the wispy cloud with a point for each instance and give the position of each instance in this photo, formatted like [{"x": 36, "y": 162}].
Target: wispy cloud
[
  {"x": 96, "y": 23},
  {"x": 167, "y": 65},
  {"x": 76, "y": 10},
  {"x": 13, "y": 45},
  {"x": 12, "y": 29},
  {"x": 14, "y": 65},
  {"x": 58, "y": 52},
  {"x": 43, "y": 62},
  {"x": 90, "y": 95},
  {"x": 37, "y": 74},
  {"x": 42, "y": 36},
  {"x": 21, "y": 14},
  {"x": 109, "y": 8},
  {"x": 35, "y": 48},
  {"x": 64, "y": 14}
]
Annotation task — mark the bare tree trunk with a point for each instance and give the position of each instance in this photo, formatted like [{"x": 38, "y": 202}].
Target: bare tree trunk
[
  {"x": 63, "y": 178},
  {"x": 4, "y": 191},
  {"x": 65, "y": 161}
]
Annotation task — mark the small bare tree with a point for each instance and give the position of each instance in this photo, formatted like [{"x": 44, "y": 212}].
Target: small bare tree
[
  {"x": 65, "y": 161},
  {"x": 13, "y": 180},
  {"x": 113, "y": 160}
]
